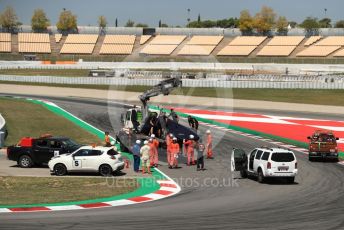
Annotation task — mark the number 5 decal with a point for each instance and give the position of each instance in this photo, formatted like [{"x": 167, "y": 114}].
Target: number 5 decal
[{"x": 77, "y": 163}]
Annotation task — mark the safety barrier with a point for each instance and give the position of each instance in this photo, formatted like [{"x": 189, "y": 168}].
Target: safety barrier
[{"x": 325, "y": 83}]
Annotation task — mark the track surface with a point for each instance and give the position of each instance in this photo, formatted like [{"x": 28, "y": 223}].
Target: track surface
[{"x": 315, "y": 201}]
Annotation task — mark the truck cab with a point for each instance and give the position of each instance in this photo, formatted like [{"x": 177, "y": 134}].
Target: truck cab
[
  {"x": 265, "y": 163},
  {"x": 323, "y": 145}
]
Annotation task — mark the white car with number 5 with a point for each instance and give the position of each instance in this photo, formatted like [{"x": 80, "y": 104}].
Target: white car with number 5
[{"x": 104, "y": 160}]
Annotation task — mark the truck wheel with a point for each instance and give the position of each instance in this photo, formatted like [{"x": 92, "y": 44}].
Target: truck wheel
[
  {"x": 105, "y": 170},
  {"x": 60, "y": 170},
  {"x": 261, "y": 178},
  {"x": 310, "y": 158},
  {"x": 25, "y": 161}
]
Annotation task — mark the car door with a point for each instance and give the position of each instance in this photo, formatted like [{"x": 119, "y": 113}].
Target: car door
[
  {"x": 55, "y": 148},
  {"x": 92, "y": 161},
  {"x": 79, "y": 159},
  {"x": 238, "y": 160},
  {"x": 256, "y": 161},
  {"x": 251, "y": 160},
  {"x": 41, "y": 151}
]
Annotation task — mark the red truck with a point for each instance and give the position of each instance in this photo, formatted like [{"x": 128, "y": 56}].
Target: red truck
[{"x": 323, "y": 145}]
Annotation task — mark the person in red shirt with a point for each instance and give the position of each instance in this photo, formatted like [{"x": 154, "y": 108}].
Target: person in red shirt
[
  {"x": 209, "y": 145},
  {"x": 175, "y": 150},
  {"x": 169, "y": 138},
  {"x": 190, "y": 150}
]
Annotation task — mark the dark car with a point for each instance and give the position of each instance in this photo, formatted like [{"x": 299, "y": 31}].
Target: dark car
[{"x": 38, "y": 151}]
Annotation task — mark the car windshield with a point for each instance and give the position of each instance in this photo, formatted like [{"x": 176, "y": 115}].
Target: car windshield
[
  {"x": 112, "y": 152},
  {"x": 69, "y": 143},
  {"x": 282, "y": 157}
]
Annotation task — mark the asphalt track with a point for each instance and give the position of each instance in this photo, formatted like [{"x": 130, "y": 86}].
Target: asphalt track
[{"x": 315, "y": 201}]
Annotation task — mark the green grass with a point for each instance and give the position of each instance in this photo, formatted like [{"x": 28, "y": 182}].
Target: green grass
[
  {"x": 33, "y": 190},
  {"x": 46, "y": 72},
  {"x": 306, "y": 96},
  {"x": 28, "y": 119}
]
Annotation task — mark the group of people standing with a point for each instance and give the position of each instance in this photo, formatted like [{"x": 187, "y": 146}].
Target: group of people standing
[{"x": 195, "y": 151}]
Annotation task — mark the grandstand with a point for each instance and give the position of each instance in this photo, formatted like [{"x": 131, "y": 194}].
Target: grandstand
[
  {"x": 33, "y": 43},
  {"x": 163, "y": 45},
  {"x": 5, "y": 42},
  {"x": 118, "y": 44},
  {"x": 79, "y": 44},
  {"x": 174, "y": 45}
]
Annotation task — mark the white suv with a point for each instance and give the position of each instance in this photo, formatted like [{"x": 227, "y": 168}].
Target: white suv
[
  {"x": 265, "y": 162},
  {"x": 104, "y": 160}
]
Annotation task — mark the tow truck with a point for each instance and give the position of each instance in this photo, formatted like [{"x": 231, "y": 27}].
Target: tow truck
[
  {"x": 136, "y": 120},
  {"x": 323, "y": 145}
]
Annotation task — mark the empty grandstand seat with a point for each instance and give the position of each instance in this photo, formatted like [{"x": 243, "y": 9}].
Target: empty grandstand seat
[
  {"x": 81, "y": 39},
  {"x": 34, "y": 43},
  {"x": 77, "y": 48},
  {"x": 340, "y": 53},
  {"x": 31, "y": 47},
  {"x": 236, "y": 50},
  {"x": 5, "y": 37},
  {"x": 276, "y": 51},
  {"x": 285, "y": 41},
  {"x": 205, "y": 40},
  {"x": 167, "y": 40},
  {"x": 5, "y": 47},
  {"x": 318, "y": 51},
  {"x": 196, "y": 50},
  {"x": 33, "y": 37},
  {"x": 311, "y": 40},
  {"x": 116, "y": 49},
  {"x": 158, "y": 49},
  {"x": 144, "y": 39},
  {"x": 331, "y": 41},
  {"x": 119, "y": 39},
  {"x": 247, "y": 41}
]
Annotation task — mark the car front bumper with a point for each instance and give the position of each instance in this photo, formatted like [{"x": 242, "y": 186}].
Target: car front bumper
[
  {"x": 118, "y": 166},
  {"x": 323, "y": 155}
]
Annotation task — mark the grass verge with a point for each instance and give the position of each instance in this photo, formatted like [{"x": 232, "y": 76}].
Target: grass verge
[
  {"x": 28, "y": 119},
  {"x": 306, "y": 96},
  {"x": 33, "y": 190}
]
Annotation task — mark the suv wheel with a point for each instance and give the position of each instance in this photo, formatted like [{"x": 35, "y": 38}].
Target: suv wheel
[
  {"x": 105, "y": 170},
  {"x": 260, "y": 176},
  {"x": 60, "y": 170},
  {"x": 25, "y": 161}
]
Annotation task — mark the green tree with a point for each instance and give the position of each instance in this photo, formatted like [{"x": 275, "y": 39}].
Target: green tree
[
  {"x": 39, "y": 21},
  {"x": 142, "y": 25},
  {"x": 67, "y": 22},
  {"x": 199, "y": 18},
  {"x": 339, "y": 24},
  {"x": 325, "y": 23},
  {"x": 130, "y": 23},
  {"x": 265, "y": 20},
  {"x": 160, "y": 23},
  {"x": 311, "y": 26},
  {"x": 9, "y": 20},
  {"x": 282, "y": 25},
  {"x": 164, "y": 25},
  {"x": 102, "y": 22},
  {"x": 245, "y": 22}
]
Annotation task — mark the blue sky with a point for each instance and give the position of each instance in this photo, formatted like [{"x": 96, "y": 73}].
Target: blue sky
[{"x": 172, "y": 12}]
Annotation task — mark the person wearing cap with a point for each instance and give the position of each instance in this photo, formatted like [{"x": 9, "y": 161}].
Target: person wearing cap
[
  {"x": 107, "y": 140},
  {"x": 144, "y": 152},
  {"x": 136, "y": 154},
  {"x": 168, "y": 141},
  {"x": 174, "y": 116},
  {"x": 190, "y": 149},
  {"x": 152, "y": 152},
  {"x": 175, "y": 150},
  {"x": 193, "y": 123},
  {"x": 209, "y": 145}
]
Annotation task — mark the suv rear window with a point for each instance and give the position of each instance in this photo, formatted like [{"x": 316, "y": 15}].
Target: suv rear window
[
  {"x": 265, "y": 156},
  {"x": 282, "y": 157}
]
